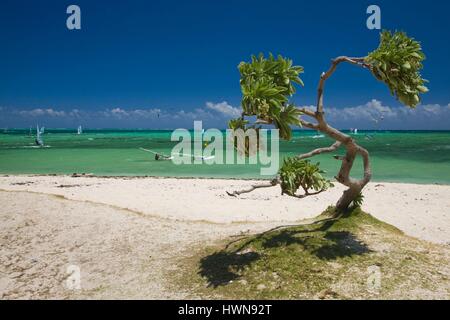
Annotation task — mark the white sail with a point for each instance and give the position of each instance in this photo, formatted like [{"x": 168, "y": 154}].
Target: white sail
[
  {"x": 39, "y": 140},
  {"x": 80, "y": 130}
]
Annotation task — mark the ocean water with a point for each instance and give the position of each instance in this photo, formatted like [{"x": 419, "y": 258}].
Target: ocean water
[{"x": 397, "y": 156}]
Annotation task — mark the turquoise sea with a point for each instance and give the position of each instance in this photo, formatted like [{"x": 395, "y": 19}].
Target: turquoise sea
[{"x": 398, "y": 156}]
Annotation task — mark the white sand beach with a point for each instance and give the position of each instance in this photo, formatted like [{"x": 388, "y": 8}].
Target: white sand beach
[
  {"x": 421, "y": 211},
  {"x": 127, "y": 234}
]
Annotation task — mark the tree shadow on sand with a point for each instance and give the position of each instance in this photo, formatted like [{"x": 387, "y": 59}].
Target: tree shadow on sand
[{"x": 318, "y": 240}]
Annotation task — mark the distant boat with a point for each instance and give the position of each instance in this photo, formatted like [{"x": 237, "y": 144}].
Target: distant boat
[
  {"x": 160, "y": 156},
  {"x": 39, "y": 141},
  {"x": 80, "y": 130},
  {"x": 318, "y": 135}
]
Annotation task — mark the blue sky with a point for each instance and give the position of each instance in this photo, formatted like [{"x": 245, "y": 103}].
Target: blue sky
[{"x": 135, "y": 60}]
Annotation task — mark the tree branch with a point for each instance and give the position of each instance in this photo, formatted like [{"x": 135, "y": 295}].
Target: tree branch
[
  {"x": 252, "y": 188},
  {"x": 355, "y": 186},
  {"x": 308, "y": 112},
  {"x": 259, "y": 121},
  {"x": 307, "y": 194},
  {"x": 273, "y": 183},
  {"x": 309, "y": 125},
  {"x": 315, "y": 152},
  {"x": 329, "y": 73},
  {"x": 366, "y": 164}
]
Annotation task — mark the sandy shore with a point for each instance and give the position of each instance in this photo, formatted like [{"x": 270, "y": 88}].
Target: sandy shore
[
  {"x": 127, "y": 235},
  {"x": 422, "y": 211},
  {"x": 120, "y": 254}
]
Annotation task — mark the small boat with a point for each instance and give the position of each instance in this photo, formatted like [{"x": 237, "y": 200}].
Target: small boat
[
  {"x": 318, "y": 135},
  {"x": 39, "y": 141},
  {"x": 160, "y": 156},
  {"x": 80, "y": 130}
]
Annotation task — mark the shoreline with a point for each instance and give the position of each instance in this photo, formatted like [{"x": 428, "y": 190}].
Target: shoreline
[
  {"x": 131, "y": 177},
  {"x": 421, "y": 211}
]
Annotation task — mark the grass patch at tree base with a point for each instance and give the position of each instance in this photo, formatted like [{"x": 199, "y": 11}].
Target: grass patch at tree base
[{"x": 352, "y": 257}]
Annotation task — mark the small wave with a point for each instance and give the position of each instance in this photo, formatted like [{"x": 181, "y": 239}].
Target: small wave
[
  {"x": 31, "y": 147},
  {"x": 312, "y": 137},
  {"x": 444, "y": 147}
]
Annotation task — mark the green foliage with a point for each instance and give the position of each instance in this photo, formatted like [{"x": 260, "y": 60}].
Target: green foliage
[
  {"x": 238, "y": 123},
  {"x": 397, "y": 62},
  {"x": 297, "y": 173},
  {"x": 284, "y": 118},
  {"x": 358, "y": 201},
  {"x": 267, "y": 84}
]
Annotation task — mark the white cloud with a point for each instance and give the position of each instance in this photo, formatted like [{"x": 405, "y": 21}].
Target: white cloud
[
  {"x": 210, "y": 111},
  {"x": 76, "y": 114},
  {"x": 119, "y": 113},
  {"x": 224, "y": 108},
  {"x": 369, "y": 111},
  {"x": 197, "y": 114},
  {"x": 42, "y": 112},
  {"x": 146, "y": 113},
  {"x": 372, "y": 115},
  {"x": 375, "y": 115}
]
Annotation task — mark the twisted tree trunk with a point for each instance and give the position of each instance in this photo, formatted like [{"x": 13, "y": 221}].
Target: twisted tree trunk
[{"x": 355, "y": 186}]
